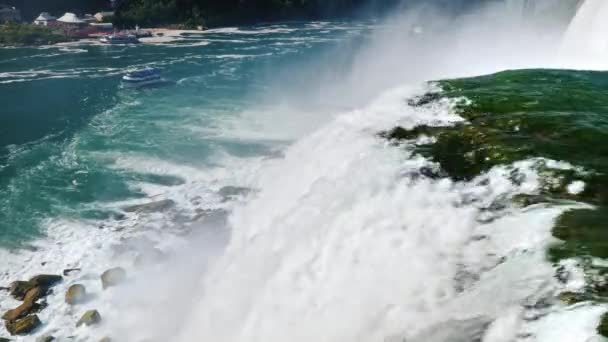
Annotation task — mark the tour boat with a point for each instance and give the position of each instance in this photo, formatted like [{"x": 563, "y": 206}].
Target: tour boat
[{"x": 142, "y": 77}]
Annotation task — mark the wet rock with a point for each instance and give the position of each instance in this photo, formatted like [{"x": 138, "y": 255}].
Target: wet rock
[
  {"x": 90, "y": 317},
  {"x": 23, "y": 326},
  {"x": 45, "y": 338},
  {"x": 69, "y": 271},
  {"x": 2, "y": 339},
  {"x": 113, "y": 277},
  {"x": 45, "y": 280},
  {"x": 19, "y": 288},
  {"x": 602, "y": 327},
  {"x": 105, "y": 339},
  {"x": 151, "y": 207},
  {"x": 75, "y": 294},
  {"x": 119, "y": 216},
  {"x": 571, "y": 298},
  {"x": 28, "y": 306}
]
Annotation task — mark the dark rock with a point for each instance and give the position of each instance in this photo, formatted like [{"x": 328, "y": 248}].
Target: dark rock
[
  {"x": 119, "y": 216},
  {"x": 75, "y": 294},
  {"x": 45, "y": 280},
  {"x": 23, "y": 326},
  {"x": 90, "y": 317},
  {"x": 602, "y": 328},
  {"x": 425, "y": 99},
  {"x": 19, "y": 288},
  {"x": 151, "y": 207},
  {"x": 2, "y": 339},
  {"x": 113, "y": 277},
  {"x": 67, "y": 271},
  {"x": 45, "y": 338}
]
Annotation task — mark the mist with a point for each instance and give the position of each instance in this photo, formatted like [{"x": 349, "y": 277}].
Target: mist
[{"x": 334, "y": 245}]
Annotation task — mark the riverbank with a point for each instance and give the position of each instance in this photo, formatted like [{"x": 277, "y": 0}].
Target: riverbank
[{"x": 29, "y": 35}]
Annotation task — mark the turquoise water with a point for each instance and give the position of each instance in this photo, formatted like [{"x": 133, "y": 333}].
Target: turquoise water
[{"x": 66, "y": 119}]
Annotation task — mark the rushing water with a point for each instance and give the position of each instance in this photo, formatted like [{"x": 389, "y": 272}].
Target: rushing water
[{"x": 293, "y": 216}]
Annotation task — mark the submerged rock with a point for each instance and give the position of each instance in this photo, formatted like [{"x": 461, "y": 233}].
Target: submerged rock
[
  {"x": 150, "y": 207},
  {"x": 75, "y": 294},
  {"x": 23, "y": 326},
  {"x": 113, "y": 277},
  {"x": 90, "y": 317},
  {"x": 105, "y": 339}
]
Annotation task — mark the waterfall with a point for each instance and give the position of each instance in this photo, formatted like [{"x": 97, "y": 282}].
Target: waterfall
[{"x": 586, "y": 42}]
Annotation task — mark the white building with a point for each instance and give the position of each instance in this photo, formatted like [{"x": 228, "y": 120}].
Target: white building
[
  {"x": 71, "y": 19},
  {"x": 44, "y": 19}
]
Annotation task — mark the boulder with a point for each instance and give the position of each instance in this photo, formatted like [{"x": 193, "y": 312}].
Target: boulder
[
  {"x": 28, "y": 306},
  {"x": 150, "y": 207},
  {"x": 45, "y": 338},
  {"x": 23, "y": 326},
  {"x": 19, "y": 288},
  {"x": 75, "y": 294},
  {"x": 34, "y": 294},
  {"x": 45, "y": 280},
  {"x": 89, "y": 318},
  {"x": 2, "y": 339},
  {"x": 113, "y": 277}
]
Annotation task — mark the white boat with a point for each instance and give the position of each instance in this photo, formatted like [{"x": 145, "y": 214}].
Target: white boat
[
  {"x": 116, "y": 39},
  {"x": 142, "y": 77}
]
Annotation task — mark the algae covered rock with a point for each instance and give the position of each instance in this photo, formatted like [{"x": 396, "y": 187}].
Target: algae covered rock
[
  {"x": 23, "y": 326},
  {"x": 75, "y": 294},
  {"x": 571, "y": 298},
  {"x": 113, "y": 277},
  {"x": 90, "y": 317},
  {"x": 602, "y": 328}
]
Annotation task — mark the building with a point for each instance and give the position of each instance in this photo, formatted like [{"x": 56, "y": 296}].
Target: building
[
  {"x": 104, "y": 16},
  {"x": 44, "y": 19},
  {"x": 9, "y": 13},
  {"x": 71, "y": 20}
]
